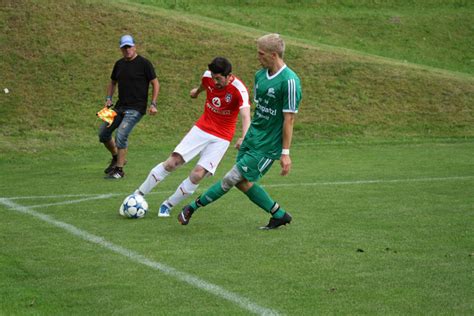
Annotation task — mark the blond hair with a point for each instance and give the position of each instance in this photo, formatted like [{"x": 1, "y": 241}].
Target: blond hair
[{"x": 272, "y": 43}]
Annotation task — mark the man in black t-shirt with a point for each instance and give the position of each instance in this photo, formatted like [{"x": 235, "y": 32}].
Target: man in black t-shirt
[{"x": 133, "y": 74}]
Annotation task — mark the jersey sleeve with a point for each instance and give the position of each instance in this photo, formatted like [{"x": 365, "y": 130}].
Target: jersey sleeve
[
  {"x": 291, "y": 90},
  {"x": 241, "y": 93},
  {"x": 255, "y": 86},
  {"x": 206, "y": 77},
  {"x": 244, "y": 96}
]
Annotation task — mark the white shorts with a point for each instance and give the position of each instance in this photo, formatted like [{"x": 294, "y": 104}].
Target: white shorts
[{"x": 210, "y": 148}]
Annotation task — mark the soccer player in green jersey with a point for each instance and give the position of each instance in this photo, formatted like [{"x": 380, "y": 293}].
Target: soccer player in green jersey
[{"x": 277, "y": 95}]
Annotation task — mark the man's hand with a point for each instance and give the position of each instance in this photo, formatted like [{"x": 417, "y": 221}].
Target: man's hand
[
  {"x": 194, "y": 93},
  {"x": 152, "y": 110},
  {"x": 285, "y": 162},
  {"x": 239, "y": 142},
  {"x": 108, "y": 103}
]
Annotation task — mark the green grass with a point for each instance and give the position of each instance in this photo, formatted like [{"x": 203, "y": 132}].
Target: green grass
[
  {"x": 431, "y": 33},
  {"x": 382, "y": 161},
  {"x": 57, "y": 65},
  {"x": 413, "y": 226}
]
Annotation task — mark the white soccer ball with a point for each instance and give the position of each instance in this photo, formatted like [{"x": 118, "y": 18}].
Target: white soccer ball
[{"x": 134, "y": 206}]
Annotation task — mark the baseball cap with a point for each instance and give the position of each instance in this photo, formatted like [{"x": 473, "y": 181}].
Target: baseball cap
[{"x": 126, "y": 40}]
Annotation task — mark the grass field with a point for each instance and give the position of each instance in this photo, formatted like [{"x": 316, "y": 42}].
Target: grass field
[
  {"x": 380, "y": 191},
  {"x": 380, "y": 228},
  {"x": 410, "y": 31}
]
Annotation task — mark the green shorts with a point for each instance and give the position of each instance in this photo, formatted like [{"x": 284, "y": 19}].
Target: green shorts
[{"x": 252, "y": 165}]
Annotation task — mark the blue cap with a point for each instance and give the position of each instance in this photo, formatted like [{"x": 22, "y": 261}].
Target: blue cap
[{"x": 126, "y": 40}]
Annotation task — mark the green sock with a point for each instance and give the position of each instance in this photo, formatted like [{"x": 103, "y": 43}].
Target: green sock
[
  {"x": 259, "y": 196},
  {"x": 212, "y": 194}
]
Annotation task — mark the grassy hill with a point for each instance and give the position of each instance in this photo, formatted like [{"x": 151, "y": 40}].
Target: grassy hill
[
  {"x": 434, "y": 33},
  {"x": 57, "y": 58},
  {"x": 380, "y": 189}
]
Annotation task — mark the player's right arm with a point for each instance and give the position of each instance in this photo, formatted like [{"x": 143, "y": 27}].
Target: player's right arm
[{"x": 196, "y": 91}]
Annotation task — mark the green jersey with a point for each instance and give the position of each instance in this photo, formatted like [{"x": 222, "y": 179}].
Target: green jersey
[{"x": 273, "y": 96}]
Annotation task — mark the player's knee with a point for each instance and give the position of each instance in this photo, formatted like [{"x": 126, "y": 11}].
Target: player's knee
[
  {"x": 197, "y": 174},
  {"x": 173, "y": 162},
  {"x": 231, "y": 178},
  {"x": 244, "y": 185}
]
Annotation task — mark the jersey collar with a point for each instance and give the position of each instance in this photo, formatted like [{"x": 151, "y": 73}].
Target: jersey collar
[{"x": 277, "y": 73}]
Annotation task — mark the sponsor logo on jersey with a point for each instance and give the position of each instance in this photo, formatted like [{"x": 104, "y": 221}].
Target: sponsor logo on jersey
[
  {"x": 264, "y": 112},
  {"x": 271, "y": 92},
  {"x": 216, "y": 102},
  {"x": 245, "y": 168},
  {"x": 264, "y": 109},
  {"x": 213, "y": 109}
]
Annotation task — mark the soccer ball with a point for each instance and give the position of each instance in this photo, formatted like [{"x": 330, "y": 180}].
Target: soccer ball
[{"x": 134, "y": 206}]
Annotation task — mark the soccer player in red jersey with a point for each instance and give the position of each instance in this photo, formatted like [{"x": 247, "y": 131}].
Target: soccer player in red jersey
[{"x": 226, "y": 97}]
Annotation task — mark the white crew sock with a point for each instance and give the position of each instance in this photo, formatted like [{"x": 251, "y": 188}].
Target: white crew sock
[
  {"x": 185, "y": 189},
  {"x": 155, "y": 176}
]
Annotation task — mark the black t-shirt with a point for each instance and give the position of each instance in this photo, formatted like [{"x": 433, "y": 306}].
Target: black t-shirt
[{"x": 133, "y": 79}]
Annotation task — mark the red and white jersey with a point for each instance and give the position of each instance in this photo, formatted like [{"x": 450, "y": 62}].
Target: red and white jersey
[{"x": 222, "y": 106}]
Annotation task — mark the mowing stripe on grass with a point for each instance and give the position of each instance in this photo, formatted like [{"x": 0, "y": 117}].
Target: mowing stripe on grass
[
  {"x": 181, "y": 276},
  {"x": 354, "y": 182},
  {"x": 368, "y": 182},
  {"x": 202, "y": 21}
]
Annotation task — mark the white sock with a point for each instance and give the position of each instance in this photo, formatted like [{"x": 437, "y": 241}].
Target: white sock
[
  {"x": 155, "y": 176},
  {"x": 185, "y": 189}
]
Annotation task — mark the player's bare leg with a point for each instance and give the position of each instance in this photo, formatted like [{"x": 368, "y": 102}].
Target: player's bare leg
[
  {"x": 121, "y": 157},
  {"x": 110, "y": 145}
]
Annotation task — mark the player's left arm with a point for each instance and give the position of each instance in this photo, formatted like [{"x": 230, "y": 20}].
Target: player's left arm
[
  {"x": 285, "y": 160},
  {"x": 154, "y": 95},
  {"x": 291, "y": 97}
]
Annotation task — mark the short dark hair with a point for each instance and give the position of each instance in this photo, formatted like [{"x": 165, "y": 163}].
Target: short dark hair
[{"x": 220, "y": 65}]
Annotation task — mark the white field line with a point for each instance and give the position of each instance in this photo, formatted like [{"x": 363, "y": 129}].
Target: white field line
[
  {"x": 90, "y": 198},
  {"x": 34, "y": 197},
  {"x": 354, "y": 182},
  {"x": 182, "y": 276},
  {"x": 165, "y": 269},
  {"x": 59, "y": 196}
]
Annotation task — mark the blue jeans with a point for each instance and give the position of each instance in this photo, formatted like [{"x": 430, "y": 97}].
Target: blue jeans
[{"x": 124, "y": 122}]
